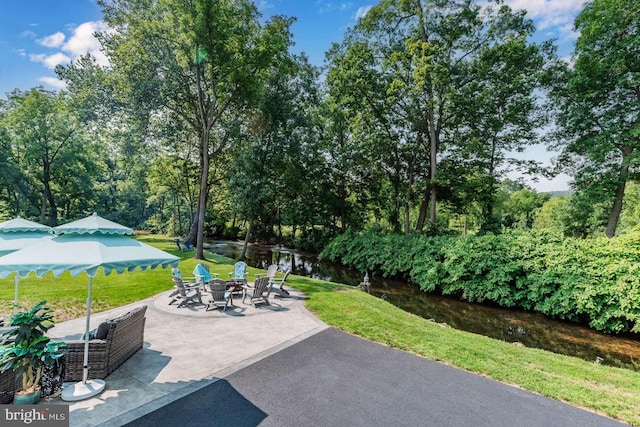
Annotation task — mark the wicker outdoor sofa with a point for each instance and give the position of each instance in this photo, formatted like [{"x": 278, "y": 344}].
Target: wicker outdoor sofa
[
  {"x": 8, "y": 386},
  {"x": 115, "y": 341},
  {"x": 8, "y": 379}
]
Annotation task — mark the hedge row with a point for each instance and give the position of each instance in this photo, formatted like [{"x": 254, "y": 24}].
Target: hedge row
[{"x": 593, "y": 281}]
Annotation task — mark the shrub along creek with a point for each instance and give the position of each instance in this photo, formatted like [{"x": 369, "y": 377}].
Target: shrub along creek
[{"x": 518, "y": 325}]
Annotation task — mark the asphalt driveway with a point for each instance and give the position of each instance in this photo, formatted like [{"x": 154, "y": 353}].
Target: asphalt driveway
[{"x": 335, "y": 379}]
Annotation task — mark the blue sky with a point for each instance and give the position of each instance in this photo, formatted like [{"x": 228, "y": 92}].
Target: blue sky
[{"x": 37, "y": 35}]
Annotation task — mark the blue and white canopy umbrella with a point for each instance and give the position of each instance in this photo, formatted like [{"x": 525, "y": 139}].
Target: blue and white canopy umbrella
[
  {"x": 11, "y": 242},
  {"x": 85, "y": 246},
  {"x": 21, "y": 225},
  {"x": 20, "y": 233}
]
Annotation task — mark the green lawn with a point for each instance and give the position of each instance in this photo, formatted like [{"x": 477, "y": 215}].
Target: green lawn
[{"x": 611, "y": 391}]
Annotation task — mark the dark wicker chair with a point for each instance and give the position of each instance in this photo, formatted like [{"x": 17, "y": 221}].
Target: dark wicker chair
[
  {"x": 124, "y": 337},
  {"x": 8, "y": 379},
  {"x": 8, "y": 386}
]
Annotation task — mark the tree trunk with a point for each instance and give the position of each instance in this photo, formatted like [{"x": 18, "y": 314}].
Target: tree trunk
[
  {"x": 192, "y": 235},
  {"x": 434, "y": 169},
  {"x": 408, "y": 201},
  {"x": 43, "y": 207},
  {"x": 53, "y": 209},
  {"x": 47, "y": 197},
  {"x": 464, "y": 227},
  {"x": 243, "y": 254},
  {"x": 280, "y": 238},
  {"x": 489, "y": 222},
  {"x": 422, "y": 214},
  {"x": 177, "y": 204},
  {"x": 431, "y": 123},
  {"x": 202, "y": 197},
  {"x": 342, "y": 192},
  {"x": 407, "y": 219},
  {"x": 206, "y": 124},
  {"x": 616, "y": 210},
  {"x": 614, "y": 217}
]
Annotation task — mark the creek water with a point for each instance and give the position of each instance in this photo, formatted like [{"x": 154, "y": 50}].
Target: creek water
[{"x": 516, "y": 326}]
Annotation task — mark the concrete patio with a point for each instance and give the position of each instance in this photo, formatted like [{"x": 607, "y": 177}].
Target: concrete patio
[{"x": 186, "y": 349}]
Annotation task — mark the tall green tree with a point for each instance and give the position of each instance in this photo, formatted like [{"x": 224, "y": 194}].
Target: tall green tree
[
  {"x": 278, "y": 151},
  {"x": 191, "y": 61},
  {"x": 443, "y": 79},
  {"x": 9, "y": 171},
  {"x": 598, "y": 101},
  {"x": 498, "y": 111},
  {"x": 124, "y": 158},
  {"x": 349, "y": 129},
  {"x": 134, "y": 144},
  {"x": 51, "y": 151}
]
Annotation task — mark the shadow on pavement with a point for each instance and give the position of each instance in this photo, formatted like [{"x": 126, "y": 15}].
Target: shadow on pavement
[{"x": 218, "y": 404}]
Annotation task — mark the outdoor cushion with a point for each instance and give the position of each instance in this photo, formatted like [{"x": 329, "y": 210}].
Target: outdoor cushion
[{"x": 102, "y": 331}]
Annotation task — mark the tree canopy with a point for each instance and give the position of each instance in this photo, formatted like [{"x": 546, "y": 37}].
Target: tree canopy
[
  {"x": 598, "y": 103},
  {"x": 204, "y": 124}
]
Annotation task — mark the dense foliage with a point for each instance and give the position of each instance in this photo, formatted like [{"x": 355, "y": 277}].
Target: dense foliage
[
  {"x": 591, "y": 281},
  {"x": 413, "y": 124},
  {"x": 596, "y": 104}
]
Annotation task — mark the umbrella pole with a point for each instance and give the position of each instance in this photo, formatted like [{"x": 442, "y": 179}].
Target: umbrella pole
[
  {"x": 86, "y": 388},
  {"x": 16, "y": 280},
  {"x": 85, "y": 362}
]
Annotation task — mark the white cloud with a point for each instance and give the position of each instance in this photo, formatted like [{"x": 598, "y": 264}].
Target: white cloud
[
  {"x": 83, "y": 41},
  {"x": 28, "y": 34},
  {"x": 37, "y": 57},
  {"x": 50, "y": 61},
  {"x": 558, "y": 14},
  {"x": 53, "y": 40},
  {"x": 53, "y": 82},
  {"x": 65, "y": 49},
  {"x": 547, "y": 8},
  {"x": 21, "y": 52},
  {"x": 329, "y": 6},
  {"x": 264, "y": 5},
  {"x": 362, "y": 11},
  {"x": 57, "y": 58}
]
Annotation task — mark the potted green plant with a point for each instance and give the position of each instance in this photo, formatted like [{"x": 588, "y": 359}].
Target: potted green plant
[{"x": 26, "y": 350}]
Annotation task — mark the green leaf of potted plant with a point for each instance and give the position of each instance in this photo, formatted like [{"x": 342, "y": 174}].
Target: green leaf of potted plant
[{"x": 26, "y": 350}]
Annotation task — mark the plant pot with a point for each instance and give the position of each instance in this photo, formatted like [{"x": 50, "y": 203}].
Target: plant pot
[{"x": 31, "y": 398}]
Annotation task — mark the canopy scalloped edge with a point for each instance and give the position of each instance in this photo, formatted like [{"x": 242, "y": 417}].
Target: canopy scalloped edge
[
  {"x": 93, "y": 224},
  {"x": 21, "y": 225},
  {"x": 91, "y": 271},
  {"x": 106, "y": 231}
]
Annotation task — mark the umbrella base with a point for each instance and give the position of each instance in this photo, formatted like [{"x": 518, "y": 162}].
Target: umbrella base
[{"x": 81, "y": 391}]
